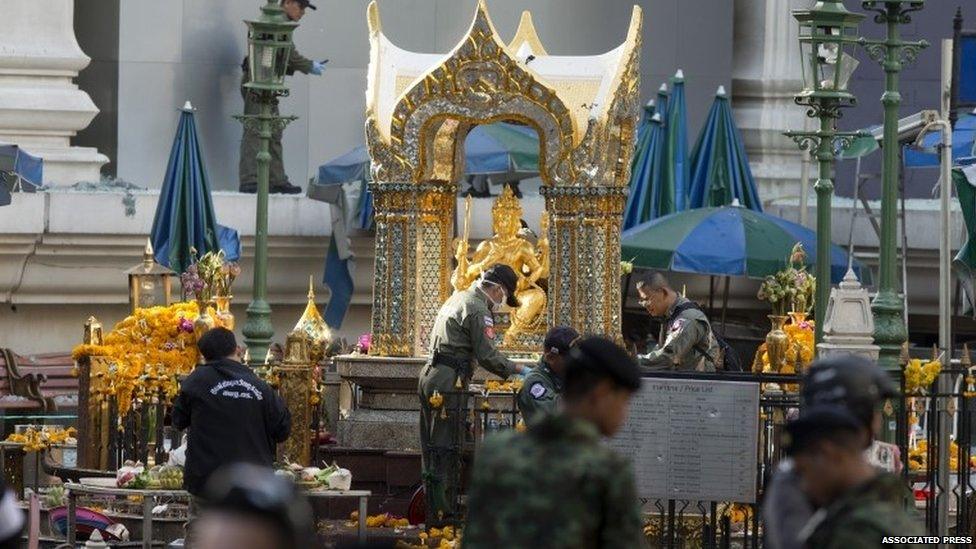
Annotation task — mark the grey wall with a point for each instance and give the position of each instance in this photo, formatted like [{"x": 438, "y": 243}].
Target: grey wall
[
  {"x": 97, "y": 31},
  {"x": 186, "y": 49}
]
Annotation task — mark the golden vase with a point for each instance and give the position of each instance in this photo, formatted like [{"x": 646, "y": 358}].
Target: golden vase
[
  {"x": 776, "y": 343},
  {"x": 798, "y": 317},
  {"x": 203, "y": 321},
  {"x": 224, "y": 317}
]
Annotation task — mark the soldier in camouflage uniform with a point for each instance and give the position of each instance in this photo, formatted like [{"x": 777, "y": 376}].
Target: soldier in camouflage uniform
[
  {"x": 543, "y": 386},
  {"x": 558, "y": 485},
  {"x": 849, "y": 382},
  {"x": 686, "y": 341},
  {"x": 463, "y": 334},
  {"x": 251, "y": 141},
  {"x": 859, "y": 505}
]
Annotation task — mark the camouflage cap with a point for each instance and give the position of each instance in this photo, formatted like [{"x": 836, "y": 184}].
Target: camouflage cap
[
  {"x": 849, "y": 381},
  {"x": 819, "y": 422},
  {"x": 601, "y": 356}
]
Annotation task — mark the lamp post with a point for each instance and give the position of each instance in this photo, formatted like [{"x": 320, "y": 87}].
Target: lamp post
[
  {"x": 269, "y": 45},
  {"x": 827, "y": 36},
  {"x": 890, "y": 331}
]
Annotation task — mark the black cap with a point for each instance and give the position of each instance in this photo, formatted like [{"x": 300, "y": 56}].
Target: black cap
[
  {"x": 504, "y": 276},
  {"x": 559, "y": 339},
  {"x": 819, "y": 422},
  {"x": 601, "y": 356},
  {"x": 306, "y": 4},
  {"x": 849, "y": 381}
]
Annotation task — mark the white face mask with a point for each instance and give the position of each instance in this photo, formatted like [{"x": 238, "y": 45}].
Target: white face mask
[{"x": 495, "y": 305}]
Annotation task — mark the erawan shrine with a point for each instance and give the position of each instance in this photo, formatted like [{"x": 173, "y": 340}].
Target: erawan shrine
[{"x": 548, "y": 316}]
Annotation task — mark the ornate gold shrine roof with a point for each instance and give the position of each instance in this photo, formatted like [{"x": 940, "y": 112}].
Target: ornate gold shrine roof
[{"x": 585, "y": 85}]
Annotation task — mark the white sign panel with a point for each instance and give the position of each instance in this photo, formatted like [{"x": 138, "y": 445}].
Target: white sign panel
[{"x": 693, "y": 439}]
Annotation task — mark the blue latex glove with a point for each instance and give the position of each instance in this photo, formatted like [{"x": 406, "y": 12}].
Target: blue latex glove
[{"x": 317, "y": 68}]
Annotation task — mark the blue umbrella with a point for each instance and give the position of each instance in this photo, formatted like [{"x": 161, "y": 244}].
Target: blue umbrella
[
  {"x": 185, "y": 216},
  {"x": 726, "y": 241},
  {"x": 644, "y": 200},
  {"x": 489, "y": 149},
  {"x": 676, "y": 167},
  {"x": 720, "y": 171},
  {"x": 963, "y": 141},
  {"x": 25, "y": 167}
]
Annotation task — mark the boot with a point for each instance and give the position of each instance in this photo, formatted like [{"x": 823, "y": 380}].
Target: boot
[{"x": 286, "y": 188}]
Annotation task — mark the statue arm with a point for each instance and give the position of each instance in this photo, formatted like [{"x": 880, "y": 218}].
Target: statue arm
[
  {"x": 477, "y": 260},
  {"x": 532, "y": 262}
]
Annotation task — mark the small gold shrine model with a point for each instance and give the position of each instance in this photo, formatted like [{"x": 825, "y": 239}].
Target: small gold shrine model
[{"x": 420, "y": 108}]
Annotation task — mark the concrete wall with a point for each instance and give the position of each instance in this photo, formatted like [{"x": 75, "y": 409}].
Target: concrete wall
[{"x": 176, "y": 50}]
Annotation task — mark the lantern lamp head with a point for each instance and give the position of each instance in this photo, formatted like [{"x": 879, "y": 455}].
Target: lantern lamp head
[
  {"x": 150, "y": 284},
  {"x": 269, "y": 45},
  {"x": 828, "y": 36}
]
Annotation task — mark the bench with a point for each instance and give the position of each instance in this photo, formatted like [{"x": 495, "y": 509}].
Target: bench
[
  {"x": 19, "y": 390},
  {"x": 58, "y": 382}
]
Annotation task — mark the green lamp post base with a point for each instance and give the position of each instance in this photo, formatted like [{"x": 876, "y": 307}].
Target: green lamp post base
[
  {"x": 258, "y": 331},
  {"x": 889, "y": 328}
]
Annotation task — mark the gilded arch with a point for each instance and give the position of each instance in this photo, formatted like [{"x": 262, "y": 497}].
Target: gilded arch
[{"x": 420, "y": 107}]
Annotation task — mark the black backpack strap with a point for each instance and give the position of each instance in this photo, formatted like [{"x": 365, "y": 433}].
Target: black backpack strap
[{"x": 703, "y": 350}]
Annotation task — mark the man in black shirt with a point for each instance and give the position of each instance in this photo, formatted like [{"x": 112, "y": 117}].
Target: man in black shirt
[{"x": 232, "y": 415}]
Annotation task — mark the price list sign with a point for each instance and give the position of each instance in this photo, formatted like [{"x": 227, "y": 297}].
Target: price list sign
[{"x": 693, "y": 439}]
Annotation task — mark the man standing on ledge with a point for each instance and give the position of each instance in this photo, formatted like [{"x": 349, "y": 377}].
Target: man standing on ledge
[
  {"x": 463, "y": 336},
  {"x": 686, "y": 341},
  {"x": 251, "y": 141}
]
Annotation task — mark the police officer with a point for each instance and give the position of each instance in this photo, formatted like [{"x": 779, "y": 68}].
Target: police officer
[
  {"x": 463, "y": 333},
  {"x": 543, "y": 386},
  {"x": 558, "y": 484},
  {"x": 686, "y": 341},
  {"x": 859, "y": 505},
  {"x": 251, "y": 141},
  {"x": 859, "y": 387}
]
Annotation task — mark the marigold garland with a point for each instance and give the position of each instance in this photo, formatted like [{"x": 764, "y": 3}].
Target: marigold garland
[
  {"x": 147, "y": 352},
  {"x": 919, "y": 377},
  {"x": 35, "y": 440}
]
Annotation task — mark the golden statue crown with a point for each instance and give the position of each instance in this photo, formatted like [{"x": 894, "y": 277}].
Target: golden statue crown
[{"x": 507, "y": 204}]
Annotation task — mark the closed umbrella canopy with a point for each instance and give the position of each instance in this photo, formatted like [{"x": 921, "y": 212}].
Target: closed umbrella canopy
[
  {"x": 184, "y": 215},
  {"x": 720, "y": 171},
  {"x": 726, "y": 241},
  {"x": 677, "y": 170},
  {"x": 646, "y": 201}
]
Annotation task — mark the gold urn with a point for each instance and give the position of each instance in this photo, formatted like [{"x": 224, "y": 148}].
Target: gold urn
[{"x": 314, "y": 328}]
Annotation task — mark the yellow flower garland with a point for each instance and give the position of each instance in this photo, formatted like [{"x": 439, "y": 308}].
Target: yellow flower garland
[
  {"x": 148, "y": 351},
  {"x": 919, "y": 377},
  {"x": 35, "y": 440}
]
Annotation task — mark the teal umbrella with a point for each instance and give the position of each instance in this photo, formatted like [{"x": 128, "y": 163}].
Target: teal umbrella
[
  {"x": 185, "y": 216},
  {"x": 726, "y": 241},
  {"x": 676, "y": 169},
  {"x": 644, "y": 202},
  {"x": 649, "y": 198},
  {"x": 720, "y": 173}
]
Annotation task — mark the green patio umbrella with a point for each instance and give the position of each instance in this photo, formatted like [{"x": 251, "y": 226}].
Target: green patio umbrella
[{"x": 676, "y": 168}]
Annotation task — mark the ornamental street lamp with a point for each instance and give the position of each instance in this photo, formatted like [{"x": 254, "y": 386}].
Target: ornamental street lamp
[
  {"x": 828, "y": 34},
  {"x": 890, "y": 331},
  {"x": 269, "y": 45},
  {"x": 150, "y": 284}
]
